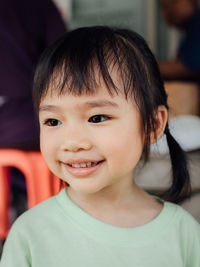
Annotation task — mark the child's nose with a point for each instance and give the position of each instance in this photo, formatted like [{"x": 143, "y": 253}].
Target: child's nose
[{"x": 76, "y": 141}]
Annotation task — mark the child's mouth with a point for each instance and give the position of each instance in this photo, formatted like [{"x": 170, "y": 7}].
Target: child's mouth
[
  {"x": 83, "y": 169},
  {"x": 84, "y": 165}
]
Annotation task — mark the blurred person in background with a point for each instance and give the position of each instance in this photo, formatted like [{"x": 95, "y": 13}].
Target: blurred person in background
[
  {"x": 26, "y": 29},
  {"x": 185, "y": 16}
]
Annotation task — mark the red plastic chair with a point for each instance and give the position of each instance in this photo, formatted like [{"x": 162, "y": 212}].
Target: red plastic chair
[
  {"x": 4, "y": 202},
  {"x": 40, "y": 182}
]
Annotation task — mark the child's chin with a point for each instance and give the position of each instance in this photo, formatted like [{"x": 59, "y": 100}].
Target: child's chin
[{"x": 84, "y": 189}]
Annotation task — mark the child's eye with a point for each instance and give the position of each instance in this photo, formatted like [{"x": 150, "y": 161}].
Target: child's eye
[
  {"x": 52, "y": 122},
  {"x": 98, "y": 118}
]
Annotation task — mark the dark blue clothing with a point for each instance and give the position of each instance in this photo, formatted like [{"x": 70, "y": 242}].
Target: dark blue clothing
[
  {"x": 27, "y": 27},
  {"x": 189, "y": 50}
]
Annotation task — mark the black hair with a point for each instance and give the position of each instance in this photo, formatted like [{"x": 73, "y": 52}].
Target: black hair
[{"x": 72, "y": 63}]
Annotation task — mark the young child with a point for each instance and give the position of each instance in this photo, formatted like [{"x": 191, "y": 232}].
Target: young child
[{"x": 101, "y": 103}]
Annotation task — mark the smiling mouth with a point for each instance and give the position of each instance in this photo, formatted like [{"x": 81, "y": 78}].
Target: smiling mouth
[
  {"x": 85, "y": 165},
  {"x": 83, "y": 169}
]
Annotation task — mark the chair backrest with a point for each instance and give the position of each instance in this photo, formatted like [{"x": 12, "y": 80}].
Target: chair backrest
[
  {"x": 40, "y": 182},
  {"x": 4, "y": 202}
]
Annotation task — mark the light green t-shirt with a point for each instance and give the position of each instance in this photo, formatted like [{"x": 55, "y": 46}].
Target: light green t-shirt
[{"x": 57, "y": 233}]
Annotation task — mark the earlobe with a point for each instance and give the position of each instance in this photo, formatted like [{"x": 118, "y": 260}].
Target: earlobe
[{"x": 161, "y": 120}]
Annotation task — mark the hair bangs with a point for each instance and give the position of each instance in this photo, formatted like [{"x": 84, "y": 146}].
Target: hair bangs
[{"x": 79, "y": 62}]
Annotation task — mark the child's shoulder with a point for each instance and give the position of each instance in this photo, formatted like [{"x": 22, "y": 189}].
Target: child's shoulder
[
  {"x": 181, "y": 218},
  {"x": 39, "y": 217},
  {"x": 185, "y": 233}
]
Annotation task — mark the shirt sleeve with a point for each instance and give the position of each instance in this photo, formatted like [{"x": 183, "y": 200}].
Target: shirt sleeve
[
  {"x": 193, "y": 258},
  {"x": 190, "y": 240}
]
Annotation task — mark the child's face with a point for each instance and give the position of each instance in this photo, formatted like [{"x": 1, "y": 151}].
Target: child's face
[{"x": 91, "y": 142}]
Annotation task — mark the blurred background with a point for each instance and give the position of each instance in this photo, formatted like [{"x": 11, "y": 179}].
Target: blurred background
[{"x": 143, "y": 16}]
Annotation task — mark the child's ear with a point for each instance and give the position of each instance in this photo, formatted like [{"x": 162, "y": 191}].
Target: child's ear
[{"x": 161, "y": 120}]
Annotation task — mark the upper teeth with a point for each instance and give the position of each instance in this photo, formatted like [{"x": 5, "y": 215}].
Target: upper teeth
[{"x": 84, "y": 165}]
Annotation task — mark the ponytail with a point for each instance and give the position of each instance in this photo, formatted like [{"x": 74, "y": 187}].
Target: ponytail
[{"x": 180, "y": 187}]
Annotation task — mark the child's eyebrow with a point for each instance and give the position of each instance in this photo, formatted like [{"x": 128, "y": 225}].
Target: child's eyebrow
[
  {"x": 100, "y": 103},
  {"x": 85, "y": 105},
  {"x": 48, "y": 108}
]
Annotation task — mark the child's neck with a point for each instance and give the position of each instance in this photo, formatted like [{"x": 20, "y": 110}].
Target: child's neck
[{"x": 130, "y": 208}]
